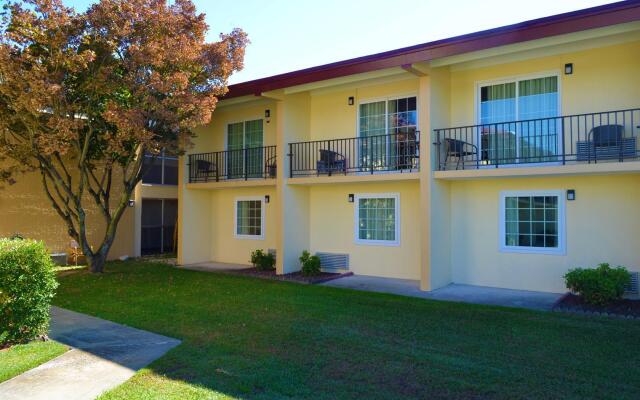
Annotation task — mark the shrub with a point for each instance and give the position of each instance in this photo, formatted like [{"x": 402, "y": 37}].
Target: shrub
[
  {"x": 27, "y": 285},
  {"x": 263, "y": 261},
  {"x": 599, "y": 286},
  {"x": 310, "y": 264}
]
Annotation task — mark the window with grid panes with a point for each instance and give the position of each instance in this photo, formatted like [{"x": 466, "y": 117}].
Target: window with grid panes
[
  {"x": 249, "y": 218},
  {"x": 377, "y": 219},
  {"x": 532, "y": 221}
]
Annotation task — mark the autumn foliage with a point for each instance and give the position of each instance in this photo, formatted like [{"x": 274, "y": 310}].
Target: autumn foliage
[{"x": 83, "y": 95}]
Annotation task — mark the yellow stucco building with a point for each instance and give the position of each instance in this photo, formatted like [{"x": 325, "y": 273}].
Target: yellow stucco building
[{"x": 500, "y": 158}]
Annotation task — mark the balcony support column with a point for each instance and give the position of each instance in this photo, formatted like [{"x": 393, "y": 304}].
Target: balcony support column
[
  {"x": 435, "y": 196},
  {"x": 292, "y": 201}
]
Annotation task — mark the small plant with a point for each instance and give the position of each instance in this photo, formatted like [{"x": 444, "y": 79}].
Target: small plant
[
  {"x": 256, "y": 255},
  {"x": 310, "y": 264},
  {"x": 263, "y": 261},
  {"x": 598, "y": 286},
  {"x": 16, "y": 236},
  {"x": 27, "y": 285}
]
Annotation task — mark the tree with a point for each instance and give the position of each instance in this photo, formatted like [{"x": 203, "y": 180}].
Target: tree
[{"x": 84, "y": 95}]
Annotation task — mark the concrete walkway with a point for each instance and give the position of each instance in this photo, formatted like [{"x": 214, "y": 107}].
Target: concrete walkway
[
  {"x": 214, "y": 266},
  {"x": 103, "y": 355},
  {"x": 452, "y": 292}
]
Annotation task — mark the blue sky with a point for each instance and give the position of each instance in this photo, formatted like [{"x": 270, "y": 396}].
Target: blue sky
[{"x": 287, "y": 35}]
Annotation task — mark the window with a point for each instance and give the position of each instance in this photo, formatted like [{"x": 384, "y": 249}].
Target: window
[
  {"x": 249, "y": 222},
  {"x": 387, "y": 129},
  {"x": 245, "y": 139},
  {"x": 163, "y": 170},
  {"x": 532, "y": 222},
  {"x": 377, "y": 219},
  {"x": 535, "y": 100}
]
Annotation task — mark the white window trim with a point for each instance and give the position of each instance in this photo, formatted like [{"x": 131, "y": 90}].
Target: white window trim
[
  {"x": 235, "y": 218},
  {"x": 386, "y": 100},
  {"x": 515, "y": 79},
  {"x": 244, "y": 138},
  {"x": 356, "y": 212},
  {"x": 562, "y": 234}
]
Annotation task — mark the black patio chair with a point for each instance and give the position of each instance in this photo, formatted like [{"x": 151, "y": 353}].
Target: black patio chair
[
  {"x": 270, "y": 167},
  {"x": 458, "y": 149},
  {"x": 331, "y": 161},
  {"x": 606, "y": 142},
  {"x": 205, "y": 170}
]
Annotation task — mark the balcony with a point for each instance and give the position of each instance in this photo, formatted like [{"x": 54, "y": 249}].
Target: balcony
[
  {"x": 398, "y": 152},
  {"x": 609, "y": 136},
  {"x": 242, "y": 164}
]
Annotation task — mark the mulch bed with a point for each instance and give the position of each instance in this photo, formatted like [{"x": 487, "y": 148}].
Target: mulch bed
[
  {"x": 625, "y": 308},
  {"x": 291, "y": 277}
]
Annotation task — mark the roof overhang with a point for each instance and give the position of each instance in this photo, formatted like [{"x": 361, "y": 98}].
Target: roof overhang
[{"x": 577, "y": 21}]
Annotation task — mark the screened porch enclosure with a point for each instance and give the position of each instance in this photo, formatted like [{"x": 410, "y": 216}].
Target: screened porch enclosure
[{"x": 159, "y": 218}]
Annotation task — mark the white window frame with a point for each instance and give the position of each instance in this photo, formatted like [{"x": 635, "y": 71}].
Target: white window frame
[
  {"x": 356, "y": 214},
  {"x": 515, "y": 79},
  {"x": 562, "y": 235},
  {"x": 386, "y": 100},
  {"x": 244, "y": 138},
  {"x": 262, "y": 217}
]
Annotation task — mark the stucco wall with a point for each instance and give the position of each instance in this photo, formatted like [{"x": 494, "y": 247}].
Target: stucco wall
[
  {"x": 602, "y": 225},
  {"x": 212, "y": 137},
  {"x": 333, "y": 118},
  {"x": 332, "y": 229},
  {"x": 603, "y": 79},
  {"x": 225, "y": 247}
]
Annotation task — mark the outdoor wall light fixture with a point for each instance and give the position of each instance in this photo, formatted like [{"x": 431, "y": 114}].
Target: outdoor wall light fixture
[
  {"x": 131, "y": 203},
  {"x": 267, "y": 115},
  {"x": 568, "y": 69},
  {"x": 351, "y": 197},
  {"x": 571, "y": 194},
  {"x": 267, "y": 198},
  {"x": 351, "y": 100}
]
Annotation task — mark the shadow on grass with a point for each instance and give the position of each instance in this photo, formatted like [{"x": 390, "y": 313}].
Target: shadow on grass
[{"x": 257, "y": 339}]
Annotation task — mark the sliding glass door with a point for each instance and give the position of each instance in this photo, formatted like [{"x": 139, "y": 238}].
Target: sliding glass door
[
  {"x": 517, "y": 119},
  {"x": 387, "y": 134},
  {"x": 245, "y": 139}
]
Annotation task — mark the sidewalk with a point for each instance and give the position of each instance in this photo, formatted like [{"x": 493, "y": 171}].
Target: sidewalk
[
  {"x": 453, "y": 292},
  {"x": 103, "y": 355}
]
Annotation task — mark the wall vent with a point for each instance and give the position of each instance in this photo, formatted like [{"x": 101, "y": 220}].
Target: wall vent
[{"x": 333, "y": 261}]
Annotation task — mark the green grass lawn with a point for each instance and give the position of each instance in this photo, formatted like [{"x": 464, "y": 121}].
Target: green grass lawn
[
  {"x": 23, "y": 357},
  {"x": 255, "y": 339}
]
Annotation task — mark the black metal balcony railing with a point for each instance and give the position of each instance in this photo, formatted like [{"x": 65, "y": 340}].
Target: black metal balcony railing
[
  {"x": 590, "y": 138},
  {"x": 398, "y": 152},
  {"x": 251, "y": 163}
]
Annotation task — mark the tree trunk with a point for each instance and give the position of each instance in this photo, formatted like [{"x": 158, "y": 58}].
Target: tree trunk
[
  {"x": 96, "y": 263},
  {"x": 98, "y": 258}
]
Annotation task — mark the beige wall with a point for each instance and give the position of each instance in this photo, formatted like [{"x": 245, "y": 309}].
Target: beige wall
[
  {"x": 212, "y": 137},
  {"x": 602, "y": 225},
  {"x": 604, "y": 79},
  {"x": 332, "y": 229},
  {"x": 333, "y": 118},
  {"x": 26, "y": 210},
  {"x": 225, "y": 247},
  {"x": 293, "y": 204}
]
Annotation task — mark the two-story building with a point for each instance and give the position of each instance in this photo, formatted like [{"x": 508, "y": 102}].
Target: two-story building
[{"x": 499, "y": 158}]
